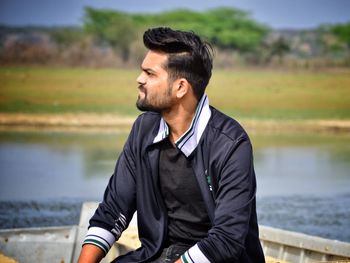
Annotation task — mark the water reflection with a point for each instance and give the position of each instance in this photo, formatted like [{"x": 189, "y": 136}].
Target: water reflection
[
  {"x": 72, "y": 165},
  {"x": 45, "y": 176},
  {"x": 302, "y": 170},
  {"x": 49, "y": 165}
]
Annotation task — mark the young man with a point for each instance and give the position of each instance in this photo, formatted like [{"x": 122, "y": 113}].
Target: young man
[{"x": 186, "y": 168}]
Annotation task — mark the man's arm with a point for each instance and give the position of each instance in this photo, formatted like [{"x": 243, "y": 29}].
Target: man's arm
[
  {"x": 116, "y": 210},
  {"x": 90, "y": 254}
]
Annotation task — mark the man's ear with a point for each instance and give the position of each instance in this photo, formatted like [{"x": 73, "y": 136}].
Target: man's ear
[{"x": 182, "y": 87}]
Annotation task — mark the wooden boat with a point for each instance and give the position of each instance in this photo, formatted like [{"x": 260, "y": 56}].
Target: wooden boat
[{"x": 63, "y": 244}]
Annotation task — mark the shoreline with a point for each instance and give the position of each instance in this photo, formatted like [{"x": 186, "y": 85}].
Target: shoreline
[{"x": 114, "y": 122}]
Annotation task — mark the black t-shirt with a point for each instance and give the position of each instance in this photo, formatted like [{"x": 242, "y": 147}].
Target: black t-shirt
[{"x": 188, "y": 220}]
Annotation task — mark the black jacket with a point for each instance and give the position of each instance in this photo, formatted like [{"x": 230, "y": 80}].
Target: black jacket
[{"x": 223, "y": 164}]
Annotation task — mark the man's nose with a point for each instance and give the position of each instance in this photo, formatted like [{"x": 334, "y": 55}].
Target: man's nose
[{"x": 141, "y": 79}]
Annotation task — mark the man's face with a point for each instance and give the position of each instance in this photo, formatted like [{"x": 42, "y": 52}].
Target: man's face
[{"x": 155, "y": 91}]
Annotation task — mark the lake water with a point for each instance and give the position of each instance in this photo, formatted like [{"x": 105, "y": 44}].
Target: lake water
[{"x": 303, "y": 179}]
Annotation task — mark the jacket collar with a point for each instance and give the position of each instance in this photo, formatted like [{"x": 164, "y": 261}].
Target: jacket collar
[{"x": 189, "y": 140}]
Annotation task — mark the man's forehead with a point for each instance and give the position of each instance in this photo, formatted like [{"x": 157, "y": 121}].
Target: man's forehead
[{"x": 154, "y": 59}]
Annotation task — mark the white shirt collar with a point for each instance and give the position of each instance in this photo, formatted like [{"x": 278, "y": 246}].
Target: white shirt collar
[{"x": 189, "y": 140}]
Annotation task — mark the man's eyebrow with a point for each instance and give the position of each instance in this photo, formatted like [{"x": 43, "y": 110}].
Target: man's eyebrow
[{"x": 148, "y": 69}]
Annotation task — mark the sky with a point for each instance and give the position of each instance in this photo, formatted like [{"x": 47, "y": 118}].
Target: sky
[{"x": 279, "y": 14}]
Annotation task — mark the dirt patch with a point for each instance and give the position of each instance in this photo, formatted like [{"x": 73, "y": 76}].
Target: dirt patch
[
  {"x": 5, "y": 259},
  {"x": 65, "y": 122},
  {"x": 111, "y": 122}
]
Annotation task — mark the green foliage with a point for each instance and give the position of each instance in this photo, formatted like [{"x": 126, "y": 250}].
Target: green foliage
[
  {"x": 342, "y": 31},
  {"x": 66, "y": 36},
  {"x": 96, "y": 21},
  {"x": 335, "y": 41},
  {"x": 115, "y": 28},
  {"x": 279, "y": 48},
  {"x": 232, "y": 28},
  {"x": 224, "y": 27}
]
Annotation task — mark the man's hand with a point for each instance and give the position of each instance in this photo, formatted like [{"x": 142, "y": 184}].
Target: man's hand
[
  {"x": 90, "y": 254},
  {"x": 178, "y": 261}
]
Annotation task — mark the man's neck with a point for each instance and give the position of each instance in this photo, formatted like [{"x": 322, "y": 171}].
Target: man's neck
[{"x": 179, "y": 120}]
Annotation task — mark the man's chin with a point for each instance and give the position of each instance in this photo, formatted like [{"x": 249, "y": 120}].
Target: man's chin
[
  {"x": 141, "y": 109},
  {"x": 141, "y": 105},
  {"x": 145, "y": 107}
]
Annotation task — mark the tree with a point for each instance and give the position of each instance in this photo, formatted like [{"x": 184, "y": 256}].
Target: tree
[
  {"x": 342, "y": 32},
  {"x": 66, "y": 36},
  {"x": 335, "y": 41},
  {"x": 112, "y": 27},
  {"x": 227, "y": 28},
  {"x": 279, "y": 48}
]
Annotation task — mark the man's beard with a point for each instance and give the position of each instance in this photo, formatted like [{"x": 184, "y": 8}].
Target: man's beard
[{"x": 144, "y": 104}]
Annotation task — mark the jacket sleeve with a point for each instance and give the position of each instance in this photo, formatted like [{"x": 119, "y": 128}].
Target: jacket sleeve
[
  {"x": 113, "y": 215},
  {"x": 234, "y": 200}
]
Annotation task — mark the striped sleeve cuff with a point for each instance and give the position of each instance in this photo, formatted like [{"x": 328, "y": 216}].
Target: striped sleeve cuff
[
  {"x": 194, "y": 255},
  {"x": 99, "y": 237}
]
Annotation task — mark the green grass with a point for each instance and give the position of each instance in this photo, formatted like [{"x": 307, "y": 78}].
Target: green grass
[
  {"x": 282, "y": 94},
  {"x": 253, "y": 94}
]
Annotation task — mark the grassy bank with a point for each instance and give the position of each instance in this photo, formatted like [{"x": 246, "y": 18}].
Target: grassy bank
[{"x": 247, "y": 94}]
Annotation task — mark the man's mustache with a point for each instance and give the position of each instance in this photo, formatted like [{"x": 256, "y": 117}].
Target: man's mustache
[{"x": 142, "y": 88}]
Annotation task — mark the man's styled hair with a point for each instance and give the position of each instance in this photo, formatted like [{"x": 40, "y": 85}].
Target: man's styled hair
[{"x": 188, "y": 56}]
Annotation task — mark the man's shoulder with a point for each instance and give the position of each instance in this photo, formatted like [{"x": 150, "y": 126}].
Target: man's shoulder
[
  {"x": 147, "y": 123},
  {"x": 147, "y": 117},
  {"x": 225, "y": 125}
]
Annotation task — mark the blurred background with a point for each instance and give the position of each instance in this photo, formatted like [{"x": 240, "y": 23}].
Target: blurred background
[
  {"x": 107, "y": 34},
  {"x": 68, "y": 89}
]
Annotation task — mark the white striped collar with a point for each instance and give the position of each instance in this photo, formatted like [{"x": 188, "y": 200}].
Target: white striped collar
[{"x": 189, "y": 140}]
